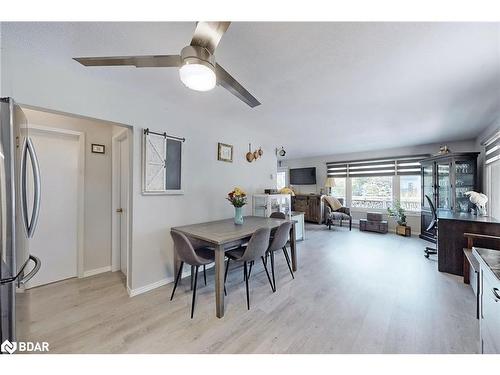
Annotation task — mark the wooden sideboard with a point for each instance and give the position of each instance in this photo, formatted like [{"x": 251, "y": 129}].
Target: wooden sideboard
[{"x": 311, "y": 205}]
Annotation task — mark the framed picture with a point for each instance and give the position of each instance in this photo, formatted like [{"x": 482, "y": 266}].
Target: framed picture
[
  {"x": 225, "y": 152},
  {"x": 98, "y": 149}
]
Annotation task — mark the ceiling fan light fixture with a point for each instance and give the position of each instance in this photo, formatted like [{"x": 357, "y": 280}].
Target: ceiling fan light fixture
[
  {"x": 198, "y": 76},
  {"x": 197, "y": 71}
]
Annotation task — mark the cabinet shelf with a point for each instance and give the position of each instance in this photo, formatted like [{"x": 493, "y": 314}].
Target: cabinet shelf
[{"x": 440, "y": 174}]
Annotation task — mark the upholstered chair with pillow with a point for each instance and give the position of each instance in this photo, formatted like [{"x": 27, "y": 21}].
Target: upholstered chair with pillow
[{"x": 335, "y": 210}]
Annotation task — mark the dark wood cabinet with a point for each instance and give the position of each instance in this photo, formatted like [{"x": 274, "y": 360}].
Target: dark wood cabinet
[
  {"x": 445, "y": 179},
  {"x": 311, "y": 205}
]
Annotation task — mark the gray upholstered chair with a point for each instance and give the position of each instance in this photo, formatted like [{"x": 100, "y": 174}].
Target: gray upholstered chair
[
  {"x": 278, "y": 215},
  {"x": 255, "y": 249},
  {"x": 194, "y": 257},
  {"x": 279, "y": 243},
  {"x": 341, "y": 214}
]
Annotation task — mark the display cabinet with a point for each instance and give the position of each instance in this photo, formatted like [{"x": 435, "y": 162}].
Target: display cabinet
[
  {"x": 445, "y": 179},
  {"x": 265, "y": 204}
]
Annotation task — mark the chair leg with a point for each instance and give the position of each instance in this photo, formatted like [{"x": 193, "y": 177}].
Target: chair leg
[
  {"x": 177, "y": 280},
  {"x": 288, "y": 261},
  {"x": 245, "y": 273},
  {"x": 205, "y": 274},
  {"x": 272, "y": 269},
  {"x": 225, "y": 276},
  {"x": 194, "y": 291},
  {"x": 341, "y": 223},
  {"x": 192, "y": 277},
  {"x": 250, "y": 269},
  {"x": 350, "y": 223},
  {"x": 329, "y": 224},
  {"x": 267, "y": 273}
]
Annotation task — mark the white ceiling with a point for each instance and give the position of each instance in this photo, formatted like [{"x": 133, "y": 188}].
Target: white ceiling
[{"x": 325, "y": 88}]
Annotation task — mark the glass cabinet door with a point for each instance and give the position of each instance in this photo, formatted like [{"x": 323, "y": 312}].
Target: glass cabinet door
[
  {"x": 428, "y": 184},
  {"x": 465, "y": 171},
  {"x": 259, "y": 205},
  {"x": 444, "y": 186}
]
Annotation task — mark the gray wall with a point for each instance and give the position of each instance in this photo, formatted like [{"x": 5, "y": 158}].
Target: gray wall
[{"x": 97, "y": 221}]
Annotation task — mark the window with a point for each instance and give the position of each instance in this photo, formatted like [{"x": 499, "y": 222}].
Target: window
[
  {"x": 371, "y": 192},
  {"x": 339, "y": 190},
  {"x": 409, "y": 192},
  {"x": 280, "y": 180}
]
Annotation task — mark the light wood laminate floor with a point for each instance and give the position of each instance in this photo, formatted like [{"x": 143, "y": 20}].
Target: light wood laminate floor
[{"x": 354, "y": 292}]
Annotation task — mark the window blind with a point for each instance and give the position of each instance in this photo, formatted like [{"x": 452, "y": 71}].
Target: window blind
[
  {"x": 492, "y": 149},
  {"x": 402, "y": 165}
]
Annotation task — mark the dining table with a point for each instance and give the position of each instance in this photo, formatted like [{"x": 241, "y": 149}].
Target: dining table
[{"x": 224, "y": 235}]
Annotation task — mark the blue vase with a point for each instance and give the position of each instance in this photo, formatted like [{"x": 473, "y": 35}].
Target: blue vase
[{"x": 238, "y": 215}]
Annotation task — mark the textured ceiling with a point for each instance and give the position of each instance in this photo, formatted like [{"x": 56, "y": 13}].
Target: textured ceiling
[{"x": 325, "y": 88}]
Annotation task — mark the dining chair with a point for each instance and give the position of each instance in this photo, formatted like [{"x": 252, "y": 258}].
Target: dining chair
[
  {"x": 278, "y": 242},
  {"x": 278, "y": 215},
  {"x": 255, "y": 249},
  {"x": 194, "y": 257},
  {"x": 274, "y": 215}
]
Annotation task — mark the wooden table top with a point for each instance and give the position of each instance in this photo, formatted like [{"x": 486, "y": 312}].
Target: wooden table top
[{"x": 225, "y": 231}]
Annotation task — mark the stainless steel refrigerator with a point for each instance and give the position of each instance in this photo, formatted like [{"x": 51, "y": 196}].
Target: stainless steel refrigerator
[{"x": 19, "y": 206}]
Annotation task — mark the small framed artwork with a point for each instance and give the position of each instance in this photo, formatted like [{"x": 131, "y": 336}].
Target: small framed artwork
[
  {"x": 98, "y": 149},
  {"x": 225, "y": 152}
]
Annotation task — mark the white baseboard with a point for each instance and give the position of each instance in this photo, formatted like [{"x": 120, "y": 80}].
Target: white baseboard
[
  {"x": 159, "y": 283},
  {"x": 147, "y": 288},
  {"x": 96, "y": 271}
]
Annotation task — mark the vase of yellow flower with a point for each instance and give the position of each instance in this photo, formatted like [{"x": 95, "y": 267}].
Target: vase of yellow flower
[{"x": 238, "y": 199}]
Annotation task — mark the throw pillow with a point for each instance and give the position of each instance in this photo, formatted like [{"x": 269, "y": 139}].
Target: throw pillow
[{"x": 333, "y": 203}]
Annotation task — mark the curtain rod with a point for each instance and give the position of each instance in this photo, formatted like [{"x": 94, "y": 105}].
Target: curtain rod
[{"x": 164, "y": 134}]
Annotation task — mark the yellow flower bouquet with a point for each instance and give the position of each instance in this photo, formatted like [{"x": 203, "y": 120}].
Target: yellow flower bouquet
[{"x": 237, "y": 197}]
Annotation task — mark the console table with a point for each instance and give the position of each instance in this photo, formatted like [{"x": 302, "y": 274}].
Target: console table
[{"x": 451, "y": 241}]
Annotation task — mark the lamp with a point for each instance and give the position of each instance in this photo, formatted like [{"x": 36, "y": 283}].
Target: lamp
[
  {"x": 197, "y": 71},
  {"x": 329, "y": 184},
  {"x": 197, "y": 77}
]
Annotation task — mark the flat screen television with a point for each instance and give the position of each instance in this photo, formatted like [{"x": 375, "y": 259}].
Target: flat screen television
[{"x": 303, "y": 176}]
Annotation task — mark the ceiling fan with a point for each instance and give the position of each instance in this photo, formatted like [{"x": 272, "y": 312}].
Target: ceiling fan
[{"x": 197, "y": 67}]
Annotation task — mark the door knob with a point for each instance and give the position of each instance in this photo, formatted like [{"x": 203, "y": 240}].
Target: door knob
[{"x": 119, "y": 210}]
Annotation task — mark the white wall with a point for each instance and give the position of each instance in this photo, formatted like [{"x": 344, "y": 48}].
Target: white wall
[
  {"x": 97, "y": 221},
  {"x": 33, "y": 81},
  {"x": 320, "y": 164}
]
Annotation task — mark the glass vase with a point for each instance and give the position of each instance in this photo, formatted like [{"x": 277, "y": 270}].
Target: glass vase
[{"x": 238, "y": 215}]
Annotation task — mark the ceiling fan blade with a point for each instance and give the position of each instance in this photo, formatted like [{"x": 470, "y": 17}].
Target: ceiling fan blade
[
  {"x": 209, "y": 34},
  {"x": 225, "y": 80},
  {"x": 154, "y": 61}
]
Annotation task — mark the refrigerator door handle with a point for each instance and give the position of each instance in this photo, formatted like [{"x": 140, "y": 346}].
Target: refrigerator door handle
[
  {"x": 33, "y": 271},
  {"x": 24, "y": 186},
  {"x": 26, "y": 277},
  {"x": 37, "y": 188}
]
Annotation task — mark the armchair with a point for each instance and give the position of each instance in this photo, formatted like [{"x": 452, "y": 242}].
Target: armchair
[{"x": 333, "y": 212}]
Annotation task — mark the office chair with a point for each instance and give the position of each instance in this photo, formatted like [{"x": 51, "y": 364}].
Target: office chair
[{"x": 433, "y": 225}]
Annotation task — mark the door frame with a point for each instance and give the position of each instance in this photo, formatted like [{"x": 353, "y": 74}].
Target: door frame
[
  {"x": 124, "y": 135},
  {"x": 81, "y": 188}
]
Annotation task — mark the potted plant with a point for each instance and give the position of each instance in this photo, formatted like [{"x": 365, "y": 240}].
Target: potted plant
[
  {"x": 399, "y": 214},
  {"x": 238, "y": 199}
]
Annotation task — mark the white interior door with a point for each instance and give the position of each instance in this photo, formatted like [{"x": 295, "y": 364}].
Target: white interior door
[
  {"x": 123, "y": 187},
  {"x": 56, "y": 239}
]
